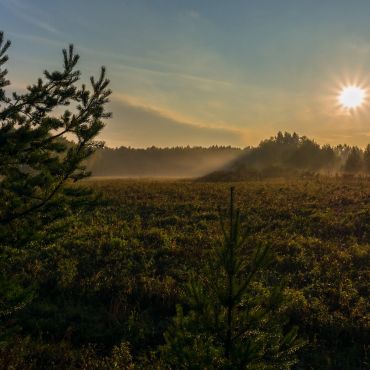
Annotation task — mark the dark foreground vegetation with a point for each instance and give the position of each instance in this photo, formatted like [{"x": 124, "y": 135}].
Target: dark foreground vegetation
[{"x": 114, "y": 280}]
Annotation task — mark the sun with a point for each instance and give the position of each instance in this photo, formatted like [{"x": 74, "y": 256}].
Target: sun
[{"x": 352, "y": 97}]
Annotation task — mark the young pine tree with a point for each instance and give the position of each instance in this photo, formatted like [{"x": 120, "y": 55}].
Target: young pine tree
[{"x": 226, "y": 323}]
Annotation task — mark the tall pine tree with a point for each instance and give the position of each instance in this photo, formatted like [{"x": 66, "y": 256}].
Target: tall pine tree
[
  {"x": 37, "y": 163},
  {"x": 367, "y": 158}
]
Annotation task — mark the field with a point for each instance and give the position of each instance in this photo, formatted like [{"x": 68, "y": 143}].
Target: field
[{"x": 118, "y": 274}]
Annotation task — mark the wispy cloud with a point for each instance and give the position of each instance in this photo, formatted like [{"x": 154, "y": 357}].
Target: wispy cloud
[
  {"x": 191, "y": 13},
  {"x": 152, "y": 66},
  {"x": 139, "y": 102},
  {"x": 37, "y": 39},
  {"x": 139, "y": 124},
  {"x": 30, "y": 15}
]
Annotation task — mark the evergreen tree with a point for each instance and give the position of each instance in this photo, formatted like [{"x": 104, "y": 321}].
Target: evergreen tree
[
  {"x": 354, "y": 162},
  {"x": 328, "y": 157},
  {"x": 367, "y": 159},
  {"x": 227, "y": 324},
  {"x": 37, "y": 163}
]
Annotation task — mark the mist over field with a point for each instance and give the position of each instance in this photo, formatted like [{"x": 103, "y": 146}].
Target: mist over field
[
  {"x": 284, "y": 155},
  {"x": 179, "y": 162}
]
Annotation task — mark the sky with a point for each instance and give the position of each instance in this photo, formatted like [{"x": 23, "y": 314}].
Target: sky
[{"x": 205, "y": 72}]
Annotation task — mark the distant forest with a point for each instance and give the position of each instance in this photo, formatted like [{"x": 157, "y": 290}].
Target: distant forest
[
  {"x": 282, "y": 155},
  {"x": 288, "y": 154}
]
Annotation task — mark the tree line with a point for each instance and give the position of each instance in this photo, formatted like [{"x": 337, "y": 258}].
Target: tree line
[
  {"x": 290, "y": 154},
  {"x": 283, "y": 154}
]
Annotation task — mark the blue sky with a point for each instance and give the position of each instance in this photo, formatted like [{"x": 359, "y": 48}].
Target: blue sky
[{"x": 208, "y": 71}]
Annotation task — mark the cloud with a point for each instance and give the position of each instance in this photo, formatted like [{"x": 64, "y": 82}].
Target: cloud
[
  {"x": 23, "y": 11},
  {"x": 37, "y": 39},
  {"x": 193, "y": 14},
  {"x": 143, "y": 126},
  {"x": 190, "y": 14},
  {"x": 158, "y": 68}
]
